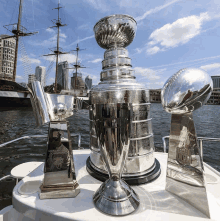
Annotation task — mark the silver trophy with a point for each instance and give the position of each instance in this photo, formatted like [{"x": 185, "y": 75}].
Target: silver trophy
[
  {"x": 59, "y": 171},
  {"x": 184, "y": 92},
  {"x": 112, "y": 125},
  {"x": 117, "y": 86}
]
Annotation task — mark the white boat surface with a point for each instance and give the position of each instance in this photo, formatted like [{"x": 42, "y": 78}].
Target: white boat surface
[{"x": 156, "y": 202}]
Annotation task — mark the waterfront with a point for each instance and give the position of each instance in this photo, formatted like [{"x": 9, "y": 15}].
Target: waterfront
[{"x": 20, "y": 122}]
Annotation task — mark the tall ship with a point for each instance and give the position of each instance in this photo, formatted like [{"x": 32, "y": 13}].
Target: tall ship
[{"x": 12, "y": 93}]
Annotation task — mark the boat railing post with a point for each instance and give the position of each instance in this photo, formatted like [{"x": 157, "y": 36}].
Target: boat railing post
[
  {"x": 164, "y": 143},
  {"x": 79, "y": 141},
  {"x": 201, "y": 147}
]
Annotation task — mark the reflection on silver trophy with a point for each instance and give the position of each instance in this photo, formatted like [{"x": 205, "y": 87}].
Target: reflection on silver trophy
[
  {"x": 59, "y": 171},
  {"x": 184, "y": 92},
  {"x": 112, "y": 124},
  {"x": 118, "y": 85},
  {"x": 119, "y": 105}
]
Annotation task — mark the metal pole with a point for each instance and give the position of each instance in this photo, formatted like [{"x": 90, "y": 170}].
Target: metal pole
[
  {"x": 77, "y": 51},
  {"x": 201, "y": 148},
  {"x": 17, "y": 38},
  {"x": 58, "y": 35}
]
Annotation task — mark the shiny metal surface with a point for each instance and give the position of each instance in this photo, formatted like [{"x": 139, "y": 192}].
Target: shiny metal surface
[
  {"x": 115, "y": 31},
  {"x": 59, "y": 106},
  {"x": 111, "y": 62},
  {"x": 118, "y": 85},
  {"x": 140, "y": 155},
  {"x": 184, "y": 92},
  {"x": 144, "y": 164},
  {"x": 49, "y": 107},
  {"x": 112, "y": 126},
  {"x": 59, "y": 170},
  {"x": 39, "y": 103}
]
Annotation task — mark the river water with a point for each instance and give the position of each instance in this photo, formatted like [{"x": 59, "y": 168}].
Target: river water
[{"x": 20, "y": 122}]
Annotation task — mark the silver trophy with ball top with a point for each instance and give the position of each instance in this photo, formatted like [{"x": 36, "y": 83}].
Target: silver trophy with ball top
[{"x": 183, "y": 93}]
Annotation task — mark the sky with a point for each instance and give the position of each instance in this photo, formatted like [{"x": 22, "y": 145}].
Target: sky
[{"x": 171, "y": 35}]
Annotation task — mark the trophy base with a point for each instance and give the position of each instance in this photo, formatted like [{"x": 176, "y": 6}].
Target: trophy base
[
  {"x": 130, "y": 180},
  {"x": 116, "y": 198},
  {"x": 59, "y": 192}
]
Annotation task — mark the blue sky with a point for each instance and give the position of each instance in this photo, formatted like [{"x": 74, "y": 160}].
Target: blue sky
[{"x": 171, "y": 35}]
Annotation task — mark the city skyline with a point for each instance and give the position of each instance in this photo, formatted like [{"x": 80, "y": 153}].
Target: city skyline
[{"x": 170, "y": 35}]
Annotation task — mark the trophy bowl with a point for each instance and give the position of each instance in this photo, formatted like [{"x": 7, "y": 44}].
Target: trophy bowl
[
  {"x": 186, "y": 91},
  {"x": 115, "y": 31}
]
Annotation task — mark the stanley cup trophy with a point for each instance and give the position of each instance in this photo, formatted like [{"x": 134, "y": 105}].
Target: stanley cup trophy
[
  {"x": 118, "y": 86},
  {"x": 184, "y": 92}
]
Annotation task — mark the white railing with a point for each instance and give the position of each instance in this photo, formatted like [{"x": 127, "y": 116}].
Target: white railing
[
  {"x": 200, "y": 139},
  {"x": 35, "y": 136}
]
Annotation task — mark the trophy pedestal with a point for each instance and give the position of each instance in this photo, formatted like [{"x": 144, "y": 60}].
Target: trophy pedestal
[
  {"x": 116, "y": 198},
  {"x": 59, "y": 172}
]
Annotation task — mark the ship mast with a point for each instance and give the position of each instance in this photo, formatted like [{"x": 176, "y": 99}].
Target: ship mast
[
  {"x": 20, "y": 31},
  {"x": 57, "y": 51},
  {"x": 77, "y": 65}
]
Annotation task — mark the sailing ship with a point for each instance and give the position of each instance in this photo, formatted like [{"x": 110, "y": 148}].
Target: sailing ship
[
  {"x": 15, "y": 94},
  {"x": 12, "y": 93}
]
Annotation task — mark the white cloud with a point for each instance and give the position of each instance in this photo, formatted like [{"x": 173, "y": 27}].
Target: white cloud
[
  {"x": 153, "y": 50},
  {"x": 139, "y": 50},
  {"x": 148, "y": 73},
  {"x": 50, "y": 30},
  {"x": 50, "y": 41},
  {"x": 83, "y": 39},
  {"x": 210, "y": 66},
  {"x": 19, "y": 77},
  {"x": 65, "y": 57},
  {"x": 34, "y": 61},
  {"x": 155, "y": 85},
  {"x": 84, "y": 27},
  {"x": 30, "y": 60},
  {"x": 179, "y": 32},
  {"x": 98, "y": 5},
  {"x": 155, "y": 10},
  {"x": 96, "y": 60},
  {"x": 62, "y": 35}
]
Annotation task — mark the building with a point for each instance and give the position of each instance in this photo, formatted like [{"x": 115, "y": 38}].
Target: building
[
  {"x": 77, "y": 82},
  {"x": 40, "y": 74},
  {"x": 216, "y": 81},
  {"x": 88, "y": 82},
  {"x": 63, "y": 75},
  {"x": 155, "y": 95},
  {"x": 215, "y": 96},
  {"x": 31, "y": 78},
  {"x": 7, "y": 53}
]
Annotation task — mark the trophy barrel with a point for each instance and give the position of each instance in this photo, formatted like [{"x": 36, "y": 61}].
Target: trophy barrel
[{"x": 141, "y": 165}]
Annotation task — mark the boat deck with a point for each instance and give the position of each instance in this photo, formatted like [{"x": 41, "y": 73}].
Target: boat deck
[{"x": 156, "y": 202}]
